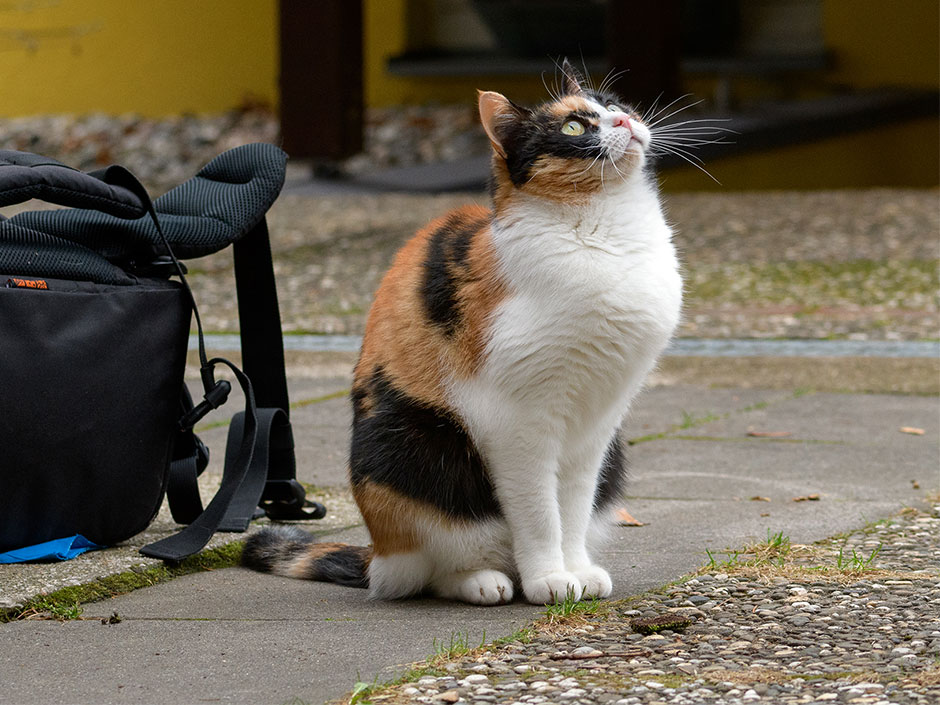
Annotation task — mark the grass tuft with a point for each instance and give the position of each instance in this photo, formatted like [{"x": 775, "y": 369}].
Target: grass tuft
[
  {"x": 459, "y": 646},
  {"x": 572, "y": 609}
]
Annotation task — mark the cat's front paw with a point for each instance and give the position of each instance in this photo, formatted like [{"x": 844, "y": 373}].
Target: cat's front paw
[
  {"x": 554, "y": 587},
  {"x": 595, "y": 581}
]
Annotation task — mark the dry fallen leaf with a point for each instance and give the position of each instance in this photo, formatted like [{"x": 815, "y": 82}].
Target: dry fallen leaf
[
  {"x": 624, "y": 518},
  {"x": 911, "y": 430},
  {"x": 807, "y": 498},
  {"x": 769, "y": 434},
  {"x": 758, "y": 498}
]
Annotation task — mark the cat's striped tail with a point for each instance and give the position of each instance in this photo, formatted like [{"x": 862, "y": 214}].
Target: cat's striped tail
[{"x": 291, "y": 552}]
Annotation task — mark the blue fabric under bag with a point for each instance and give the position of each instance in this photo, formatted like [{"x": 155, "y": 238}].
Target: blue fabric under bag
[{"x": 56, "y": 550}]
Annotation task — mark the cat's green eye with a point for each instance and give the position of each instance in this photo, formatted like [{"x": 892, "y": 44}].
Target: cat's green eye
[
  {"x": 614, "y": 108},
  {"x": 572, "y": 128}
]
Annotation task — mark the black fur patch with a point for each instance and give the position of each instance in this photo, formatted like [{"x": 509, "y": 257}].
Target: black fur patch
[
  {"x": 269, "y": 547},
  {"x": 344, "y": 566},
  {"x": 613, "y": 478},
  {"x": 538, "y": 133},
  {"x": 421, "y": 453},
  {"x": 444, "y": 266}
]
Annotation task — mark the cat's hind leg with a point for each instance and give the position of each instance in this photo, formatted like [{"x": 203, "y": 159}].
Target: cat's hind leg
[
  {"x": 478, "y": 587},
  {"x": 399, "y": 575}
]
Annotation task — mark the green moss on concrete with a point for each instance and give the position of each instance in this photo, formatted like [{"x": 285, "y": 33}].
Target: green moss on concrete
[{"x": 62, "y": 603}]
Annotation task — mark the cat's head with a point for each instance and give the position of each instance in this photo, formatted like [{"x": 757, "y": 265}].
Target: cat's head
[{"x": 567, "y": 149}]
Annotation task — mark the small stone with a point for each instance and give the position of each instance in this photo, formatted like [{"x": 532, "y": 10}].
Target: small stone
[
  {"x": 585, "y": 652},
  {"x": 512, "y": 685},
  {"x": 572, "y": 694},
  {"x": 475, "y": 678},
  {"x": 450, "y": 696},
  {"x": 750, "y": 694}
]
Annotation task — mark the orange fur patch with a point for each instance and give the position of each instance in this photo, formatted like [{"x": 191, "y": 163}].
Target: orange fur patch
[
  {"x": 417, "y": 356},
  {"x": 567, "y": 180},
  {"x": 316, "y": 551},
  {"x": 393, "y": 519},
  {"x": 390, "y": 518}
]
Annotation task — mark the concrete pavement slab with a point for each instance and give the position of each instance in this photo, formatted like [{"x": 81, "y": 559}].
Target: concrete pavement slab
[{"x": 871, "y": 419}]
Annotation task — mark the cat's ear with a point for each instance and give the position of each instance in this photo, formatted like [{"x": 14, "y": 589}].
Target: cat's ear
[
  {"x": 496, "y": 113},
  {"x": 571, "y": 80}
]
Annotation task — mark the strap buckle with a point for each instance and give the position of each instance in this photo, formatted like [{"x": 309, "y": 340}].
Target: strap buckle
[
  {"x": 215, "y": 397},
  {"x": 286, "y": 500}
]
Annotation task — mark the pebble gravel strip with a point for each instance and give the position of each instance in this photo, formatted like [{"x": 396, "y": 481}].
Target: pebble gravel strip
[{"x": 809, "y": 631}]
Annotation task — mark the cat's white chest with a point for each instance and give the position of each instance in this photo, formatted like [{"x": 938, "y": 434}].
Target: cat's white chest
[{"x": 592, "y": 302}]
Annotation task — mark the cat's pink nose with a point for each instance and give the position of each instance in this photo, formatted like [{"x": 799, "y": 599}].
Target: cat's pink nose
[{"x": 622, "y": 120}]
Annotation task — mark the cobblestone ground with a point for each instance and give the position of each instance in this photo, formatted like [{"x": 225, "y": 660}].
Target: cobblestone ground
[{"x": 855, "y": 619}]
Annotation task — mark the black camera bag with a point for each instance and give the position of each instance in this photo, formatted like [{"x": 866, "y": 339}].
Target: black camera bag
[{"x": 96, "y": 424}]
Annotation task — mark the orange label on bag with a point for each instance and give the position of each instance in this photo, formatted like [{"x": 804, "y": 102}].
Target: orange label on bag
[{"x": 27, "y": 283}]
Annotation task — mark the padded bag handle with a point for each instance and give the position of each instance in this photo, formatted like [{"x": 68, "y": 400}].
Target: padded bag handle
[
  {"x": 223, "y": 202},
  {"x": 31, "y": 251},
  {"x": 24, "y": 176}
]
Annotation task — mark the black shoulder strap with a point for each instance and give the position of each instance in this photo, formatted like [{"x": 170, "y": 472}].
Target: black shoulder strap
[
  {"x": 270, "y": 480},
  {"x": 263, "y": 360}
]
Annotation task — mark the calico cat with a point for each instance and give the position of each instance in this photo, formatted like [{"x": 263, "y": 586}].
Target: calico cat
[{"x": 500, "y": 358}]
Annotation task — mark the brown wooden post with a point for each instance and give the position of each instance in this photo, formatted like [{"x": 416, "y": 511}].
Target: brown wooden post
[
  {"x": 643, "y": 40},
  {"x": 321, "y": 100}
]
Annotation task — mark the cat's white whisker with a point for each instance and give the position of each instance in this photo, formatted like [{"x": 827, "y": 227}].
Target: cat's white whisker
[
  {"x": 659, "y": 117},
  {"x": 614, "y": 165},
  {"x": 650, "y": 110},
  {"x": 691, "y": 159},
  {"x": 699, "y": 126},
  {"x": 692, "y": 141},
  {"x": 553, "y": 89},
  {"x": 609, "y": 79}
]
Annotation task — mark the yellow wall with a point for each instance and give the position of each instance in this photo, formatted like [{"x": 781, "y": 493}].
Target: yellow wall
[
  {"x": 877, "y": 42},
  {"x": 153, "y": 57},
  {"x": 903, "y": 155}
]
